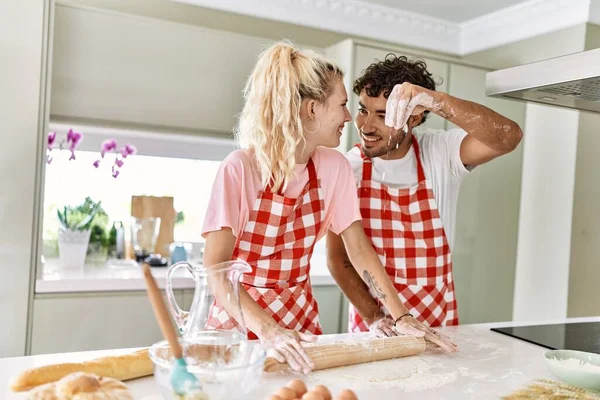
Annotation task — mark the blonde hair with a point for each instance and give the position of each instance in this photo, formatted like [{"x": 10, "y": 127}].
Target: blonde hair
[{"x": 270, "y": 125}]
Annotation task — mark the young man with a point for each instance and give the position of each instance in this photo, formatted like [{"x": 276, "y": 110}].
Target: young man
[{"x": 408, "y": 184}]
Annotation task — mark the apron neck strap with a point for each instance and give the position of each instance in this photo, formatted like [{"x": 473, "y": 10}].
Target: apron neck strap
[{"x": 367, "y": 171}]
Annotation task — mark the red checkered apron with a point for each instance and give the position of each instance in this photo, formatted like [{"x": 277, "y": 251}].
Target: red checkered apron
[
  {"x": 277, "y": 242},
  {"x": 407, "y": 232}
]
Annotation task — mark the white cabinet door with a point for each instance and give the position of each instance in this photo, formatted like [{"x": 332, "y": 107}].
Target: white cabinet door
[
  {"x": 368, "y": 55},
  {"x": 329, "y": 299},
  {"x": 126, "y": 69},
  {"x": 485, "y": 247},
  {"x": 94, "y": 322}
]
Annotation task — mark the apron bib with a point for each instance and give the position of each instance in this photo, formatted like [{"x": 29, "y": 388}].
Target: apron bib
[
  {"x": 407, "y": 233},
  {"x": 277, "y": 242}
]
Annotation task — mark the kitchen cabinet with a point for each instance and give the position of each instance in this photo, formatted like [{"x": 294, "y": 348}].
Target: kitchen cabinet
[
  {"x": 148, "y": 72},
  {"x": 98, "y": 321},
  {"x": 485, "y": 247}
]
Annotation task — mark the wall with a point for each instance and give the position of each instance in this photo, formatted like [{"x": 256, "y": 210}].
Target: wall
[
  {"x": 584, "y": 280},
  {"x": 22, "y": 110},
  {"x": 548, "y": 178}
]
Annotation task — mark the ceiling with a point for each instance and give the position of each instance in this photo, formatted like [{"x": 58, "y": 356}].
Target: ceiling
[
  {"x": 457, "y": 27},
  {"x": 450, "y": 10}
]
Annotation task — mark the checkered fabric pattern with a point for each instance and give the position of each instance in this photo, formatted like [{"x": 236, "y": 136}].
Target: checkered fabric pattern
[
  {"x": 407, "y": 232},
  {"x": 277, "y": 242}
]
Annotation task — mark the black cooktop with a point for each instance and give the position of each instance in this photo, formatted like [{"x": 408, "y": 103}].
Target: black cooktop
[{"x": 582, "y": 336}]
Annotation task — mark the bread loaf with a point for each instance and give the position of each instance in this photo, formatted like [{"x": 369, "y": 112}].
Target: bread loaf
[{"x": 124, "y": 367}]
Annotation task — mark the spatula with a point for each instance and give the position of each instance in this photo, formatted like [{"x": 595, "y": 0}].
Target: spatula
[{"x": 184, "y": 383}]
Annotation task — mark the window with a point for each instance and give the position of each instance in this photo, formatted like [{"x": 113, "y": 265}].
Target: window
[
  {"x": 182, "y": 166},
  {"x": 189, "y": 182}
]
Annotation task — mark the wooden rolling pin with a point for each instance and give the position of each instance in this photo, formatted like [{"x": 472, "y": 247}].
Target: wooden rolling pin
[{"x": 353, "y": 351}]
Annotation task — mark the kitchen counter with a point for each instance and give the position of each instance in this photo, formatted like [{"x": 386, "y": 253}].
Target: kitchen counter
[
  {"x": 107, "y": 278},
  {"x": 489, "y": 365}
]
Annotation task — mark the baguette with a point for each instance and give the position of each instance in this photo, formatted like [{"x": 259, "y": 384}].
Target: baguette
[{"x": 124, "y": 367}]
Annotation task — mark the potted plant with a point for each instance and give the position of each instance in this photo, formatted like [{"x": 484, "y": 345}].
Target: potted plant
[{"x": 74, "y": 234}]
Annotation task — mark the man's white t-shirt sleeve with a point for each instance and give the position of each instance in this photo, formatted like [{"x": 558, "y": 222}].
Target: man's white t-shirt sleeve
[{"x": 454, "y": 140}]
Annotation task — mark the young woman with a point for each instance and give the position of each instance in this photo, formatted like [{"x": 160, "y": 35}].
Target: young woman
[{"x": 277, "y": 196}]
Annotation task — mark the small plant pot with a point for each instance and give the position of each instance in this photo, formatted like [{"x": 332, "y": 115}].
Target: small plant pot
[{"x": 72, "y": 248}]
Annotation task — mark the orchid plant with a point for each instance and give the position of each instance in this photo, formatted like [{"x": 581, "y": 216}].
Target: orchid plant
[
  {"x": 73, "y": 139},
  {"x": 110, "y": 145}
]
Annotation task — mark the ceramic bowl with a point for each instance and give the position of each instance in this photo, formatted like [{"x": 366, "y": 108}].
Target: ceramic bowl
[
  {"x": 571, "y": 373},
  {"x": 227, "y": 371}
]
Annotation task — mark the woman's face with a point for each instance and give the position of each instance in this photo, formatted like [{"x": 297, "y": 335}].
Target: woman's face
[{"x": 329, "y": 119}]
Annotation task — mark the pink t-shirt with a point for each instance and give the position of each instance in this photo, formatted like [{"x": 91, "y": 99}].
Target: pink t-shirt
[{"x": 238, "y": 184}]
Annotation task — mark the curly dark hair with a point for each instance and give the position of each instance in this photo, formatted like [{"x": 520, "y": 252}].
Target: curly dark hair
[{"x": 381, "y": 76}]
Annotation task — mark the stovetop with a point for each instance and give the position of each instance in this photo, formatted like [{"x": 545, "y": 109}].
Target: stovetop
[{"x": 582, "y": 336}]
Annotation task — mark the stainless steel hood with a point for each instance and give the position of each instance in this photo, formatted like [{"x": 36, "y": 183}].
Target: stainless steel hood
[{"x": 571, "y": 81}]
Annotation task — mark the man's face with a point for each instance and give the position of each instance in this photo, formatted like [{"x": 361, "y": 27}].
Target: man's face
[{"x": 376, "y": 138}]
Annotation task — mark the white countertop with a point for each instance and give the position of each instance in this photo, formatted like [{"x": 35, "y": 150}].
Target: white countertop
[
  {"x": 489, "y": 365},
  {"x": 107, "y": 278}
]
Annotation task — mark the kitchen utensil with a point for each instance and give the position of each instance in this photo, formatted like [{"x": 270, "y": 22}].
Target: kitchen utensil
[
  {"x": 183, "y": 382},
  {"x": 157, "y": 207},
  {"x": 144, "y": 232},
  {"x": 218, "y": 281},
  {"x": 117, "y": 241},
  {"x": 571, "y": 372},
  {"x": 156, "y": 260},
  {"x": 226, "y": 372},
  {"x": 355, "y": 351},
  {"x": 180, "y": 252}
]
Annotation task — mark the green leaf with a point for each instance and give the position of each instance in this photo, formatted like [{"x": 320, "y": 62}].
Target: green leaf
[{"x": 87, "y": 222}]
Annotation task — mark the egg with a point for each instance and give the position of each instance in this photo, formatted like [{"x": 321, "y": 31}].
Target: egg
[
  {"x": 275, "y": 398},
  {"x": 286, "y": 393},
  {"x": 347, "y": 394},
  {"x": 312, "y": 396},
  {"x": 297, "y": 386},
  {"x": 323, "y": 391}
]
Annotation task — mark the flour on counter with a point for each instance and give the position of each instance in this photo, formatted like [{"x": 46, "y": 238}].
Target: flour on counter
[
  {"x": 410, "y": 374},
  {"x": 574, "y": 363}
]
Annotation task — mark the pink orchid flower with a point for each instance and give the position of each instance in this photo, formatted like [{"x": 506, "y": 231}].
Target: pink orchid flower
[
  {"x": 108, "y": 145},
  {"x": 51, "y": 139},
  {"x": 128, "y": 150}
]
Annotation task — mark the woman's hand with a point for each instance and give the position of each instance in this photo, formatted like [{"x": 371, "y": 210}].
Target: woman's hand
[
  {"x": 284, "y": 345},
  {"x": 408, "y": 325}
]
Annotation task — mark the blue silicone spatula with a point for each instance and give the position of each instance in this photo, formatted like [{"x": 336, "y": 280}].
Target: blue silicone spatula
[{"x": 184, "y": 383}]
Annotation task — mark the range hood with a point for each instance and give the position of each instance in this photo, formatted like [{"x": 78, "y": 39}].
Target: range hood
[{"x": 571, "y": 81}]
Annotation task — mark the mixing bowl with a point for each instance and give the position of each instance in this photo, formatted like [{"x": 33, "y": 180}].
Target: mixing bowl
[
  {"x": 572, "y": 372},
  {"x": 227, "y": 366}
]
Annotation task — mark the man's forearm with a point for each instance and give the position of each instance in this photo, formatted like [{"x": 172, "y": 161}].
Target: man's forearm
[
  {"x": 355, "y": 289},
  {"x": 484, "y": 124}
]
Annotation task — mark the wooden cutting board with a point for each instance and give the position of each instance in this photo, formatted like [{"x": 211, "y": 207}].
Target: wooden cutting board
[{"x": 163, "y": 208}]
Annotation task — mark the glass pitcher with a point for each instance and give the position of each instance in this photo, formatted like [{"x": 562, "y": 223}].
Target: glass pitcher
[{"x": 220, "y": 282}]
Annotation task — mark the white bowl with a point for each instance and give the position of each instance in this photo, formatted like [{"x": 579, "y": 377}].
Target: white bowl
[
  {"x": 227, "y": 369},
  {"x": 573, "y": 374}
]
